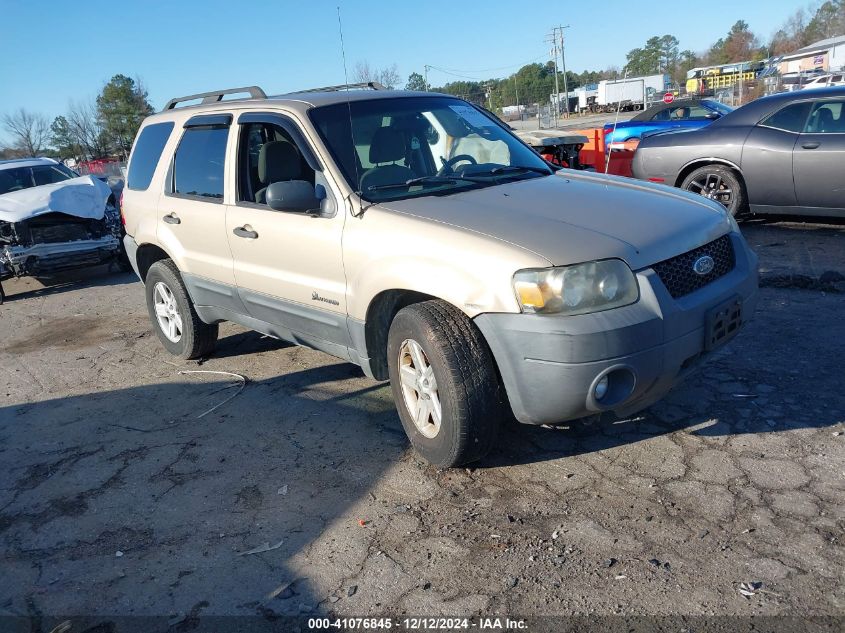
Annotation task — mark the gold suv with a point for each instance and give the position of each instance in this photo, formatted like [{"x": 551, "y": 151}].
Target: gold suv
[{"x": 414, "y": 235}]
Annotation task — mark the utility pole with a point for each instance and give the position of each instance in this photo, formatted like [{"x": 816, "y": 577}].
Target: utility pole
[
  {"x": 556, "y": 100},
  {"x": 426, "y": 76},
  {"x": 488, "y": 88},
  {"x": 558, "y": 30}
]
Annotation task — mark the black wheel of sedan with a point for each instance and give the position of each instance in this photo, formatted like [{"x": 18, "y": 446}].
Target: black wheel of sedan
[
  {"x": 444, "y": 383},
  {"x": 172, "y": 312},
  {"x": 718, "y": 183}
]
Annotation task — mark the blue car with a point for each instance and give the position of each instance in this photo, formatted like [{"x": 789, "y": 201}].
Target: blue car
[{"x": 683, "y": 114}]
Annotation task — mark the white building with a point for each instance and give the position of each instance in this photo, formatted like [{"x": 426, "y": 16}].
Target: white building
[{"x": 826, "y": 55}]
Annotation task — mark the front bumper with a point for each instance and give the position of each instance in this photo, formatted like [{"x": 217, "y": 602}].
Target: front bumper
[
  {"x": 550, "y": 365},
  {"x": 43, "y": 259}
]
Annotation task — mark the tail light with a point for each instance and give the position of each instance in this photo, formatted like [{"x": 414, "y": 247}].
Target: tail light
[{"x": 122, "y": 217}]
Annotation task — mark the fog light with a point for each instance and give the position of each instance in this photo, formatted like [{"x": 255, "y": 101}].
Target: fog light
[{"x": 601, "y": 388}]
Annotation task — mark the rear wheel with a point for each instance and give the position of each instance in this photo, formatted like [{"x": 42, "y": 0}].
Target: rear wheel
[
  {"x": 719, "y": 183},
  {"x": 444, "y": 383},
  {"x": 172, "y": 313}
]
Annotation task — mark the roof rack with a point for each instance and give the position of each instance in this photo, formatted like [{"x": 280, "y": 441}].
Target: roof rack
[
  {"x": 217, "y": 95},
  {"x": 371, "y": 85}
]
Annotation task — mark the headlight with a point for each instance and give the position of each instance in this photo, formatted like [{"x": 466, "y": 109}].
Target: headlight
[{"x": 589, "y": 287}]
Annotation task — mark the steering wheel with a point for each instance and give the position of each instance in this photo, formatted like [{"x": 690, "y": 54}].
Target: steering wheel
[{"x": 449, "y": 164}]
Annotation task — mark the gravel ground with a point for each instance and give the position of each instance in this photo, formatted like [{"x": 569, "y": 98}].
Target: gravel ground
[{"x": 121, "y": 496}]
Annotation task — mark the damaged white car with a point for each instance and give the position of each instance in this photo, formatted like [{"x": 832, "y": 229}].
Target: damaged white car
[{"x": 52, "y": 220}]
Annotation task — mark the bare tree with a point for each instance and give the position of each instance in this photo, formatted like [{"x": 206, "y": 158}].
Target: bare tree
[
  {"x": 30, "y": 131},
  {"x": 387, "y": 77},
  {"x": 363, "y": 73},
  {"x": 85, "y": 124}
]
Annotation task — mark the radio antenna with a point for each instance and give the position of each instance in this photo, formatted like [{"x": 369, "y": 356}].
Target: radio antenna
[
  {"x": 616, "y": 121},
  {"x": 349, "y": 110}
]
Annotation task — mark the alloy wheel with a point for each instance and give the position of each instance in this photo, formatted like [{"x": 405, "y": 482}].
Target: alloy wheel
[
  {"x": 167, "y": 312},
  {"x": 419, "y": 388},
  {"x": 712, "y": 187}
]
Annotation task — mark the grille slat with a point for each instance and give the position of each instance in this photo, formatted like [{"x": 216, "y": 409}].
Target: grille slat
[{"x": 677, "y": 273}]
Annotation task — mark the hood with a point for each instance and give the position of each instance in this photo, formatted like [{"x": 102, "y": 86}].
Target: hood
[
  {"x": 578, "y": 216},
  {"x": 84, "y": 197}
]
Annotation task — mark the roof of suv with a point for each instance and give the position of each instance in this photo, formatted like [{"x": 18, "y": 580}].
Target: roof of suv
[
  {"x": 344, "y": 96},
  {"x": 300, "y": 100}
]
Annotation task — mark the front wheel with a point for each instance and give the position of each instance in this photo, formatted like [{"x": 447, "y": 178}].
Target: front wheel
[
  {"x": 444, "y": 383},
  {"x": 172, "y": 313},
  {"x": 718, "y": 183}
]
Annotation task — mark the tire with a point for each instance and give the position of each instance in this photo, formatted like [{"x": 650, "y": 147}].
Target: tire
[
  {"x": 466, "y": 384},
  {"x": 713, "y": 181},
  {"x": 164, "y": 285}
]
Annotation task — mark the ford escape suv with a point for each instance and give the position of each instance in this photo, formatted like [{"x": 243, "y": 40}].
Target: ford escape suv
[{"x": 412, "y": 234}]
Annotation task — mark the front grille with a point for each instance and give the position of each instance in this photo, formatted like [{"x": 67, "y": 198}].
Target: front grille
[{"x": 677, "y": 273}]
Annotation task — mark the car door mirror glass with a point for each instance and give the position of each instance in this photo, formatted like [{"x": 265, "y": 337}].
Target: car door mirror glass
[{"x": 298, "y": 196}]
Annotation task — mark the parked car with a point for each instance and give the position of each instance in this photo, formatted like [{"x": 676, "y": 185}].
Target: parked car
[
  {"x": 52, "y": 219},
  {"x": 414, "y": 235},
  {"x": 825, "y": 81},
  {"x": 680, "y": 114},
  {"x": 784, "y": 153}
]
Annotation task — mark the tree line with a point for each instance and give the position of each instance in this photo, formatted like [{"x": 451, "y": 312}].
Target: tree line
[
  {"x": 103, "y": 127},
  {"x": 533, "y": 83}
]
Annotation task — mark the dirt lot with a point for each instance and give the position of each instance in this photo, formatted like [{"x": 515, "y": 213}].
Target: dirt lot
[{"x": 120, "y": 497}]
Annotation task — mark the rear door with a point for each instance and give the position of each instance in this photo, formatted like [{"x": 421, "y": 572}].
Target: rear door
[
  {"x": 192, "y": 215},
  {"x": 767, "y": 156},
  {"x": 819, "y": 163}
]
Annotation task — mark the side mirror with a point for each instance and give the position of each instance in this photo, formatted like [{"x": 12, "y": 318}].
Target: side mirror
[
  {"x": 712, "y": 116},
  {"x": 292, "y": 195}
]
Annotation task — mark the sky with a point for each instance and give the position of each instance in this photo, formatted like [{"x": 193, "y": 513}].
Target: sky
[{"x": 53, "y": 52}]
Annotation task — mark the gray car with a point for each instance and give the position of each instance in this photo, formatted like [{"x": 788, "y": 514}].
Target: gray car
[{"x": 784, "y": 153}]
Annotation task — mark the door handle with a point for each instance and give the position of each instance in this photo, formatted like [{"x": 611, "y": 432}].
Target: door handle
[
  {"x": 172, "y": 218},
  {"x": 810, "y": 145},
  {"x": 244, "y": 231}
]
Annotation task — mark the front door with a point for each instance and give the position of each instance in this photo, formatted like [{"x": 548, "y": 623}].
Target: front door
[
  {"x": 819, "y": 162},
  {"x": 288, "y": 265},
  {"x": 767, "y": 156}
]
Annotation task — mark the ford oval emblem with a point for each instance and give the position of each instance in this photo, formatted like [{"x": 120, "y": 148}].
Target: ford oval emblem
[{"x": 704, "y": 265}]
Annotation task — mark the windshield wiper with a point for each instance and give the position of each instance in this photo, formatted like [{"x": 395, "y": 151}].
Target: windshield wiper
[
  {"x": 422, "y": 180},
  {"x": 505, "y": 169}
]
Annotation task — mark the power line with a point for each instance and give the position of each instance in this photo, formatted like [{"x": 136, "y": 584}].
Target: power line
[{"x": 455, "y": 71}]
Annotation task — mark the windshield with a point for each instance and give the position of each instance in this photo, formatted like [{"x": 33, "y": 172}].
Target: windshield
[
  {"x": 18, "y": 178},
  {"x": 718, "y": 106},
  {"x": 420, "y": 146}
]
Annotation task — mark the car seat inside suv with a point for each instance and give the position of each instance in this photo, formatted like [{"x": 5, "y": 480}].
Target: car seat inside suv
[
  {"x": 277, "y": 161},
  {"x": 386, "y": 148}
]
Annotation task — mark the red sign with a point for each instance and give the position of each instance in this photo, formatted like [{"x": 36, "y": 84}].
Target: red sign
[{"x": 668, "y": 97}]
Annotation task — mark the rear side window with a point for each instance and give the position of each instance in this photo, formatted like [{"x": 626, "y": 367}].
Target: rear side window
[
  {"x": 198, "y": 164},
  {"x": 146, "y": 153},
  {"x": 791, "y": 118},
  {"x": 828, "y": 117}
]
